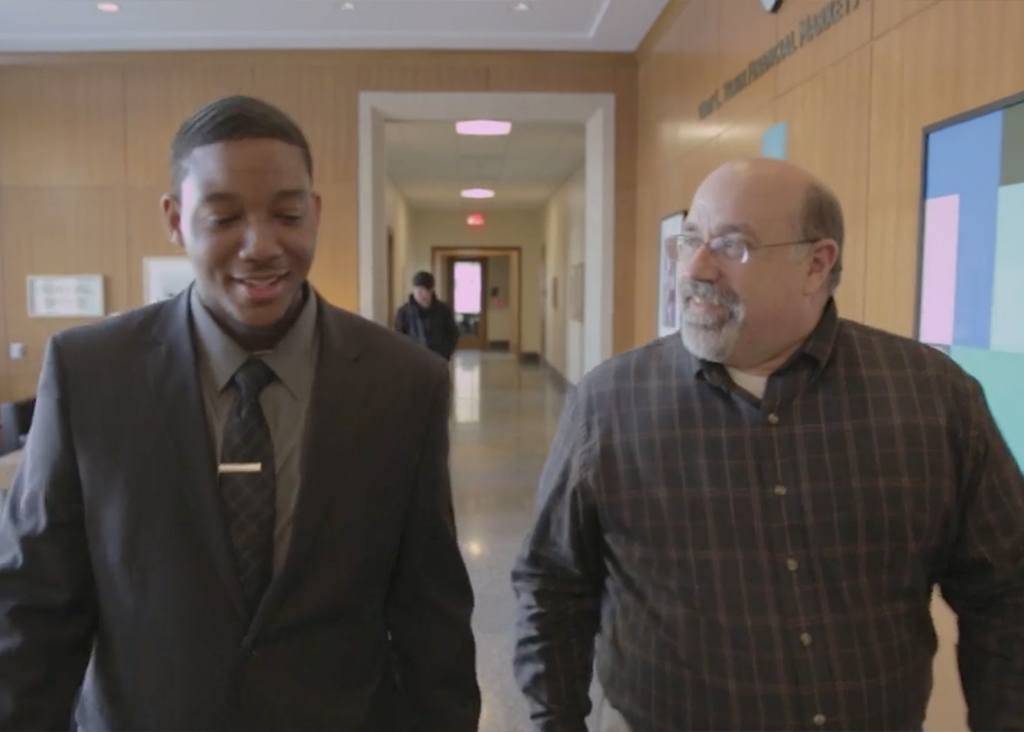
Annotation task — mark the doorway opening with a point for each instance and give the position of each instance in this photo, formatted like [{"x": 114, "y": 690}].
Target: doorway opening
[
  {"x": 499, "y": 324},
  {"x": 596, "y": 112},
  {"x": 467, "y": 281}
]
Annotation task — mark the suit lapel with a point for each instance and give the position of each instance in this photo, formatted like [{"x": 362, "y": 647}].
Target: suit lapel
[
  {"x": 174, "y": 383},
  {"x": 338, "y": 404}
]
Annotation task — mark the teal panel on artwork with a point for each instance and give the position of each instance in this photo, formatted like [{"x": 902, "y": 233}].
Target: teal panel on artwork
[
  {"x": 773, "y": 141},
  {"x": 1013, "y": 145},
  {"x": 1008, "y": 280},
  {"x": 1000, "y": 375}
]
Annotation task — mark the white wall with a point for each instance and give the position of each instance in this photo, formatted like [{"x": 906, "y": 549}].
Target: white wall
[
  {"x": 504, "y": 228},
  {"x": 397, "y": 214},
  {"x": 556, "y": 255},
  {"x": 565, "y": 227}
]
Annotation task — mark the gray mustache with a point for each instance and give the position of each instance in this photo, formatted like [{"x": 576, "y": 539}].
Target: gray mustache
[{"x": 708, "y": 293}]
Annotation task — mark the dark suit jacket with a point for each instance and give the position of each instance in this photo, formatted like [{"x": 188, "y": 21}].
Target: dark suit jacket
[{"x": 115, "y": 563}]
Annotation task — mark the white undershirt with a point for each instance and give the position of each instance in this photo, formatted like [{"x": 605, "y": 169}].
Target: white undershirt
[{"x": 752, "y": 383}]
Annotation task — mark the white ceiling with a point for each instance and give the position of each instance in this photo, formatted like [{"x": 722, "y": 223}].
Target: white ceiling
[
  {"x": 568, "y": 25},
  {"x": 430, "y": 164}
]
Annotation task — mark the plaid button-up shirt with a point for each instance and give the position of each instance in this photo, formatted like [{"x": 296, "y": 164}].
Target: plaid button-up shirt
[{"x": 745, "y": 564}]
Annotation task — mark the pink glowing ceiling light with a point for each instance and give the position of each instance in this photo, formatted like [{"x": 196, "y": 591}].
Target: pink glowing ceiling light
[
  {"x": 108, "y": 7},
  {"x": 475, "y": 219},
  {"x": 483, "y": 127},
  {"x": 477, "y": 193}
]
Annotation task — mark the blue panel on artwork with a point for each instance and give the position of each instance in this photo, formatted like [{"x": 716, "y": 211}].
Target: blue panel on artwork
[
  {"x": 999, "y": 374},
  {"x": 966, "y": 159},
  {"x": 773, "y": 141}
]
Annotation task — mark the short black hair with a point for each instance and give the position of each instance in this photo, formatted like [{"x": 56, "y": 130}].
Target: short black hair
[
  {"x": 234, "y": 118},
  {"x": 822, "y": 218},
  {"x": 423, "y": 279}
]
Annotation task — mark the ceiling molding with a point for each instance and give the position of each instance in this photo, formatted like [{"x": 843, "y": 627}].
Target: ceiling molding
[{"x": 162, "y": 25}]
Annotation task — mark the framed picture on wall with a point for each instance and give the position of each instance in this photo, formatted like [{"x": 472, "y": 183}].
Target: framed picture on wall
[
  {"x": 165, "y": 277},
  {"x": 65, "y": 296},
  {"x": 668, "y": 309}
]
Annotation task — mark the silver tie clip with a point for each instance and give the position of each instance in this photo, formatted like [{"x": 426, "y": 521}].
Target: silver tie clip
[{"x": 239, "y": 467}]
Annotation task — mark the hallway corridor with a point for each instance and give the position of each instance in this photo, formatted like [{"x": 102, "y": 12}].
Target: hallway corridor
[{"x": 503, "y": 420}]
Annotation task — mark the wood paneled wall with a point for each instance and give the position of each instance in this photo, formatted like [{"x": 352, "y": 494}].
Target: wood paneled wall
[
  {"x": 84, "y": 142},
  {"x": 84, "y": 139},
  {"x": 856, "y": 99}
]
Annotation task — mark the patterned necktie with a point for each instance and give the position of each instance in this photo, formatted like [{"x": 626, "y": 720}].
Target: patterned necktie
[{"x": 247, "y": 481}]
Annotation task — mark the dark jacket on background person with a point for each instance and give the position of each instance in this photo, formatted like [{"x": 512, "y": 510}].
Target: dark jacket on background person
[{"x": 433, "y": 327}]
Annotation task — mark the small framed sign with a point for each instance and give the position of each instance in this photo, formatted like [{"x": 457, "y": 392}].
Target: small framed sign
[
  {"x": 165, "y": 277},
  {"x": 65, "y": 296},
  {"x": 668, "y": 313}
]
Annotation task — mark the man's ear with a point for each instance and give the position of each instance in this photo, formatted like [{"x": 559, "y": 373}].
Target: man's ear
[
  {"x": 823, "y": 258},
  {"x": 317, "y": 206},
  {"x": 171, "y": 207}
]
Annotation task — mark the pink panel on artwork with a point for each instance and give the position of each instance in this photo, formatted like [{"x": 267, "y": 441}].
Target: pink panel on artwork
[{"x": 938, "y": 277}]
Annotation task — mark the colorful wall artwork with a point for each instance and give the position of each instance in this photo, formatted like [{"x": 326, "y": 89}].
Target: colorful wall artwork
[
  {"x": 971, "y": 299},
  {"x": 773, "y": 141}
]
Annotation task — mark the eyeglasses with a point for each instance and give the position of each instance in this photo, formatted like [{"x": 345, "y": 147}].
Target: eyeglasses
[{"x": 733, "y": 247}]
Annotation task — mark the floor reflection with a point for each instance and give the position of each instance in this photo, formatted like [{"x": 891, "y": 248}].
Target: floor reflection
[
  {"x": 466, "y": 374},
  {"x": 504, "y": 418}
]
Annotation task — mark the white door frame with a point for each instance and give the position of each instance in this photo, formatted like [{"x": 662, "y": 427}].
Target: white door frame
[{"x": 595, "y": 111}]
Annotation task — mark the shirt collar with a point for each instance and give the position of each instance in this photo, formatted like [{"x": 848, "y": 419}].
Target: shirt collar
[
  {"x": 292, "y": 359},
  {"x": 822, "y": 340},
  {"x": 817, "y": 347}
]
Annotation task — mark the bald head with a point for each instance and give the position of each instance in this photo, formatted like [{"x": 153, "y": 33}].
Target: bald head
[{"x": 754, "y": 178}]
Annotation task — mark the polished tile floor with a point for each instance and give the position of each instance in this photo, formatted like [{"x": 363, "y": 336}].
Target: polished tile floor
[{"x": 504, "y": 418}]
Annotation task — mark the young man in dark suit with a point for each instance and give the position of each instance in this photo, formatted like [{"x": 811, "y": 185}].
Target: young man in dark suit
[{"x": 234, "y": 510}]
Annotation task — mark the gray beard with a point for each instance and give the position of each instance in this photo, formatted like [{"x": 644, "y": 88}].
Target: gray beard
[{"x": 707, "y": 337}]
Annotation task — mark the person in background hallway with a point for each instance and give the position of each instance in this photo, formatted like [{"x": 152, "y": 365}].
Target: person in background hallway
[
  {"x": 746, "y": 521},
  {"x": 234, "y": 510},
  {"x": 428, "y": 320}
]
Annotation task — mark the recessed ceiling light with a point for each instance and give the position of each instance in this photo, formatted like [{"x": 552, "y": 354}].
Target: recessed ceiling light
[
  {"x": 521, "y": 7},
  {"x": 483, "y": 127},
  {"x": 348, "y": 6},
  {"x": 477, "y": 193},
  {"x": 108, "y": 7}
]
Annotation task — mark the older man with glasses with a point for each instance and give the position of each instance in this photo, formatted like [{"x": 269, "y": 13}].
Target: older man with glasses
[{"x": 745, "y": 523}]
